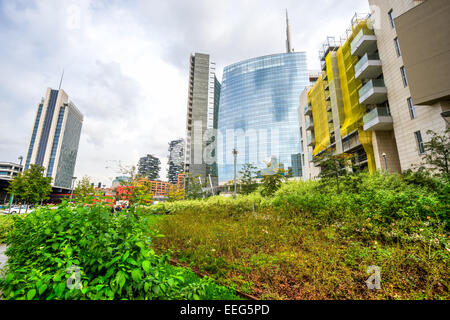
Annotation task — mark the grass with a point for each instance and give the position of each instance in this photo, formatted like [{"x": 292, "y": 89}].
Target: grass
[
  {"x": 309, "y": 243},
  {"x": 272, "y": 257}
]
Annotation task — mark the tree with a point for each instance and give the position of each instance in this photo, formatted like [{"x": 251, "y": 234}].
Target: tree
[
  {"x": 138, "y": 187},
  {"x": 31, "y": 186},
  {"x": 273, "y": 177},
  {"x": 437, "y": 153},
  {"x": 334, "y": 167},
  {"x": 247, "y": 178},
  {"x": 194, "y": 188},
  {"x": 84, "y": 188},
  {"x": 174, "y": 193}
]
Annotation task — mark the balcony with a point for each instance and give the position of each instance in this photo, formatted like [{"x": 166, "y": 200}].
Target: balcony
[
  {"x": 379, "y": 119},
  {"x": 330, "y": 117},
  {"x": 364, "y": 42},
  {"x": 311, "y": 140},
  {"x": 368, "y": 67},
  {"x": 373, "y": 92},
  {"x": 308, "y": 110},
  {"x": 309, "y": 124},
  {"x": 328, "y": 105}
]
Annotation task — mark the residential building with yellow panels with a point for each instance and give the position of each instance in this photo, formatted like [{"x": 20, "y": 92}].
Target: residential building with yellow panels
[{"x": 379, "y": 113}]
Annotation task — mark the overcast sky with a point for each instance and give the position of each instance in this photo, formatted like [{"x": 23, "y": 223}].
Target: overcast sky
[{"x": 126, "y": 64}]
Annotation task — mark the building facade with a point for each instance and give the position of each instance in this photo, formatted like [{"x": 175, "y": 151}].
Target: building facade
[
  {"x": 9, "y": 170},
  {"x": 176, "y": 160},
  {"x": 55, "y": 138},
  {"x": 258, "y": 112},
  {"x": 202, "y": 113},
  {"x": 149, "y": 166},
  {"x": 363, "y": 103},
  {"x": 412, "y": 118}
]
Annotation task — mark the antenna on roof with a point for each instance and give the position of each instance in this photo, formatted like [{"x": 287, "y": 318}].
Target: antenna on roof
[{"x": 62, "y": 76}]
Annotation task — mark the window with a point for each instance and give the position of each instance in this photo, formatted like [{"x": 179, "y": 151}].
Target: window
[
  {"x": 391, "y": 18},
  {"x": 397, "y": 47},
  {"x": 412, "y": 109},
  {"x": 405, "y": 80},
  {"x": 419, "y": 142}
]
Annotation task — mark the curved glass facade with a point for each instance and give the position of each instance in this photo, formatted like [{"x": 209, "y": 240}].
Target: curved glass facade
[{"x": 258, "y": 112}]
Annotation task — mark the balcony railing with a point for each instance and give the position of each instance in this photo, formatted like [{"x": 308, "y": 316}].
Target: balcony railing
[
  {"x": 368, "y": 67},
  {"x": 364, "y": 42},
  {"x": 309, "y": 124},
  {"x": 311, "y": 140},
  {"x": 378, "y": 119},
  {"x": 373, "y": 92}
]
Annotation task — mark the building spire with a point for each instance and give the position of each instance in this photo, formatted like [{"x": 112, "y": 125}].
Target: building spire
[
  {"x": 288, "y": 35},
  {"x": 60, "y": 82}
]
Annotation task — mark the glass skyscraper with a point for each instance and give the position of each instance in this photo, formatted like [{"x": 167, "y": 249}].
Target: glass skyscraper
[{"x": 258, "y": 112}]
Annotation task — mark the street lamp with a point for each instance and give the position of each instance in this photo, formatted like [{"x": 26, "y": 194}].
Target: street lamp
[
  {"x": 73, "y": 183},
  {"x": 385, "y": 161},
  {"x": 235, "y": 155}
]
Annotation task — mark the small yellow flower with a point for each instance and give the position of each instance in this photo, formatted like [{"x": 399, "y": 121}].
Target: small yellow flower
[{"x": 428, "y": 217}]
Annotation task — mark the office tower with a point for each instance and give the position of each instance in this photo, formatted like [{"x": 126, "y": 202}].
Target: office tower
[
  {"x": 149, "y": 167},
  {"x": 364, "y": 102},
  {"x": 176, "y": 160},
  {"x": 203, "y": 103},
  {"x": 55, "y": 138},
  {"x": 258, "y": 111}
]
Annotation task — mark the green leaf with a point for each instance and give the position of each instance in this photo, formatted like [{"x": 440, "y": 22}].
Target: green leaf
[
  {"x": 31, "y": 294},
  {"x": 42, "y": 288},
  {"x": 58, "y": 218},
  {"x": 146, "y": 265},
  {"x": 136, "y": 275}
]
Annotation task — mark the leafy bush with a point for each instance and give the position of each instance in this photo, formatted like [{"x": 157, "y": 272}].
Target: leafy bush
[
  {"x": 309, "y": 242},
  {"x": 111, "y": 252},
  {"x": 217, "y": 204},
  {"x": 6, "y": 226}
]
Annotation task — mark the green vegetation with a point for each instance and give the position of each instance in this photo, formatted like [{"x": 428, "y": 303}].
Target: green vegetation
[
  {"x": 247, "y": 180},
  {"x": 309, "y": 242},
  {"x": 31, "y": 186},
  {"x": 112, "y": 253},
  {"x": 84, "y": 188},
  {"x": 6, "y": 226}
]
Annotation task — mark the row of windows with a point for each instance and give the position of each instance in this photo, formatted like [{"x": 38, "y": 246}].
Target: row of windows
[
  {"x": 33, "y": 136},
  {"x": 55, "y": 142}
]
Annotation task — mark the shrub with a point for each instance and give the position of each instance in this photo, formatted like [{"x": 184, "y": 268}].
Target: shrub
[
  {"x": 111, "y": 252},
  {"x": 6, "y": 226}
]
